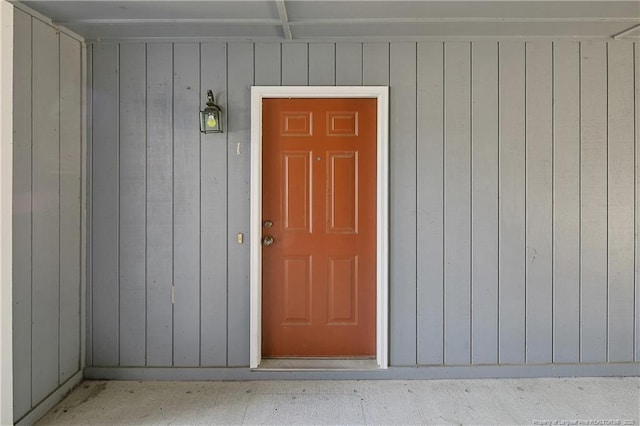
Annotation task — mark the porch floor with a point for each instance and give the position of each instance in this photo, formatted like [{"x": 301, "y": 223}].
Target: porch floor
[{"x": 480, "y": 401}]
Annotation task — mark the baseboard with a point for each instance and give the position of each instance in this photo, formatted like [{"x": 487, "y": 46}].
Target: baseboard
[
  {"x": 49, "y": 402},
  {"x": 393, "y": 373}
]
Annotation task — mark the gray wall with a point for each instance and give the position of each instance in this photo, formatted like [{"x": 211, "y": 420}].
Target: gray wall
[
  {"x": 513, "y": 198},
  {"x": 46, "y": 210}
]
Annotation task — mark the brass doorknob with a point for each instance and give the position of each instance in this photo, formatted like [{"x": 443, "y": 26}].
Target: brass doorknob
[{"x": 267, "y": 240}]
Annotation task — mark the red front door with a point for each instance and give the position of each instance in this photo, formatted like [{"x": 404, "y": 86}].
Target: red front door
[{"x": 319, "y": 206}]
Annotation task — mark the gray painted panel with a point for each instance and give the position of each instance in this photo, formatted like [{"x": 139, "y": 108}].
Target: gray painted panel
[
  {"x": 267, "y": 64},
  {"x": 133, "y": 88},
  {"x": 430, "y": 231},
  {"x": 496, "y": 163},
  {"x": 484, "y": 201},
  {"x": 22, "y": 211},
  {"x": 457, "y": 205},
  {"x": 240, "y": 79},
  {"x": 539, "y": 203},
  {"x": 104, "y": 302},
  {"x": 593, "y": 196},
  {"x": 46, "y": 212},
  {"x": 566, "y": 202},
  {"x": 402, "y": 202},
  {"x": 348, "y": 64},
  {"x": 375, "y": 64},
  {"x": 213, "y": 213},
  {"x": 511, "y": 292},
  {"x": 322, "y": 64},
  {"x": 159, "y": 204},
  {"x": 70, "y": 162},
  {"x": 295, "y": 69},
  {"x": 620, "y": 201},
  {"x": 186, "y": 204}
]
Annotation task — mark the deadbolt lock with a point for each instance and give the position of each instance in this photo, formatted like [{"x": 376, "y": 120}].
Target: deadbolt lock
[{"x": 267, "y": 224}]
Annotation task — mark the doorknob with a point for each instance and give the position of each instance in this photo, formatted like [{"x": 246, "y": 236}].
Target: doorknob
[{"x": 267, "y": 240}]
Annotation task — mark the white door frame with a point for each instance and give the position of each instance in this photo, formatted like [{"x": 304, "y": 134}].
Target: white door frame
[{"x": 381, "y": 94}]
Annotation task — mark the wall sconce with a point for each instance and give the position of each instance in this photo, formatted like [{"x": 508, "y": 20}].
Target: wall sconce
[{"x": 211, "y": 116}]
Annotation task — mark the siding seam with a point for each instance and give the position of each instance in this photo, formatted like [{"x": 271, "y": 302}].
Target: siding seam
[
  {"x": 580, "y": 202},
  {"x": 635, "y": 202},
  {"x": 119, "y": 200},
  {"x": 416, "y": 196},
  {"x": 362, "y": 84},
  {"x": 444, "y": 215},
  {"x": 146, "y": 202},
  {"x": 606, "y": 330},
  {"x": 553, "y": 198},
  {"x": 526, "y": 196},
  {"x": 499, "y": 205},
  {"x": 470, "y": 203},
  {"x": 227, "y": 193},
  {"x": 173, "y": 197},
  {"x": 335, "y": 64},
  {"x": 59, "y": 212},
  {"x": 31, "y": 221},
  {"x": 200, "y": 211},
  {"x": 253, "y": 57},
  {"x": 90, "y": 302}
]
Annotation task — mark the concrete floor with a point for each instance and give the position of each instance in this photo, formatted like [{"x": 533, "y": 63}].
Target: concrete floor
[{"x": 513, "y": 401}]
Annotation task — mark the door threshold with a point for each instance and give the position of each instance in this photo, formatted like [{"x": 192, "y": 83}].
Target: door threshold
[{"x": 317, "y": 364}]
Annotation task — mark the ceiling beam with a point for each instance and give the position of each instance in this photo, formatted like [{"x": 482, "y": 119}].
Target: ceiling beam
[
  {"x": 412, "y": 20},
  {"x": 284, "y": 19},
  {"x": 125, "y": 21}
]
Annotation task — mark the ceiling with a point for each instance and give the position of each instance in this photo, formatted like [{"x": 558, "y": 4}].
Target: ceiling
[{"x": 335, "y": 20}]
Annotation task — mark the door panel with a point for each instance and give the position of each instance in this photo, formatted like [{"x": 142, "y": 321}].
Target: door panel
[
  {"x": 319, "y": 193},
  {"x": 297, "y": 290},
  {"x": 343, "y": 290},
  {"x": 343, "y": 192},
  {"x": 297, "y": 191}
]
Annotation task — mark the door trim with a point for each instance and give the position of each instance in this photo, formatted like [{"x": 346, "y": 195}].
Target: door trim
[{"x": 381, "y": 94}]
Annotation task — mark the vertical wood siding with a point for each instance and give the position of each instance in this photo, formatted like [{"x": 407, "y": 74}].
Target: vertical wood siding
[
  {"x": 430, "y": 207},
  {"x": 539, "y": 206},
  {"x": 512, "y": 207},
  {"x": 593, "y": 206},
  {"x": 132, "y": 254},
  {"x": 47, "y": 210},
  {"x": 457, "y": 203},
  {"x": 240, "y": 79},
  {"x": 484, "y": 203},
  {"x": 513, "y": 185},
  {"x": 213, "y": 214},
  {"x": 566, "y": 202},
  {"x": 402, "y": 196}
]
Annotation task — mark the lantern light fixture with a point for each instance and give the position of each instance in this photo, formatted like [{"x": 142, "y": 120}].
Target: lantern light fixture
[{"x": 211, "y": 116}]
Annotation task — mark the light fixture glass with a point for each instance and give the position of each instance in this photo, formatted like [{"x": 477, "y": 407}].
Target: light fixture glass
[{"x": 211, "y": 116}]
